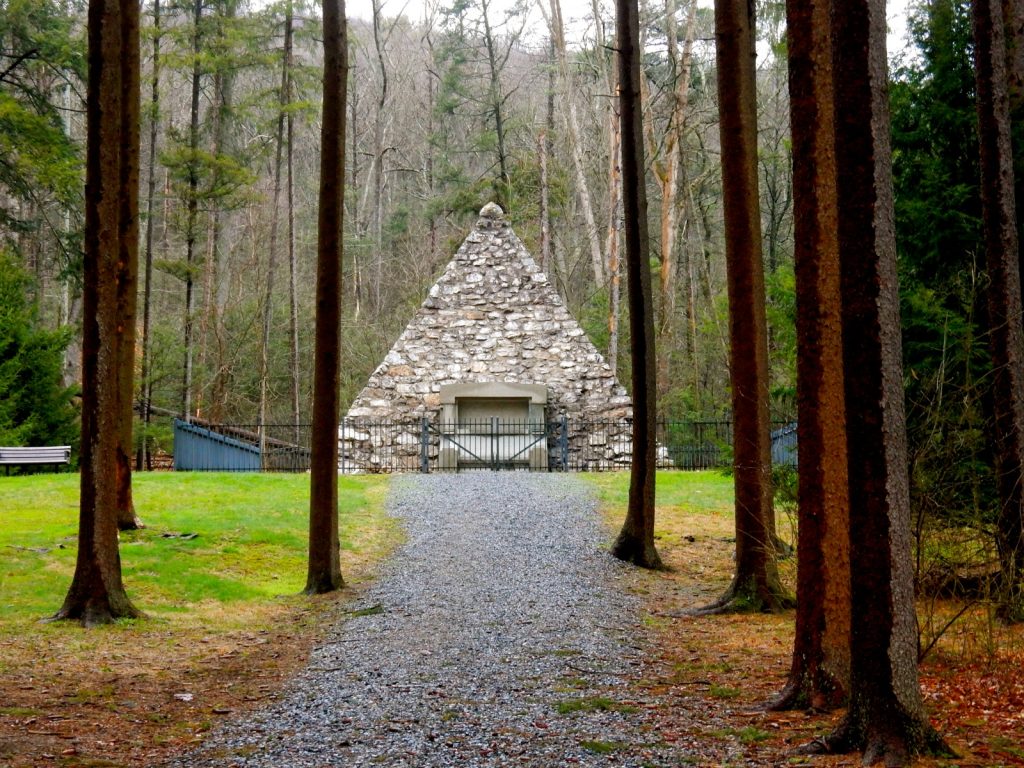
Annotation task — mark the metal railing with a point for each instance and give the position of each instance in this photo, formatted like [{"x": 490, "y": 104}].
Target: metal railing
[{"x": 428, "y": 444}]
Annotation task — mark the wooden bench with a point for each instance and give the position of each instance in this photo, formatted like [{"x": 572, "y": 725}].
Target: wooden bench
[{"x": 33, "y": 456}]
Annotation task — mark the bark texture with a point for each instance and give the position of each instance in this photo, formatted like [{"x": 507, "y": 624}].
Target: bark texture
[
  {"x": 324, "y": 573},
  {"x": 1013, "y": 22},
  {"x": 635, "y": 542},
  {"x": 145, "y": 389},
  {"x": 756, "y": 584},
  {"x": 885, "y": 717},
  {"x": 820, "y": 672},
  {"x": 97, "y": 594},
  {"x": 1006, "y": 336}
]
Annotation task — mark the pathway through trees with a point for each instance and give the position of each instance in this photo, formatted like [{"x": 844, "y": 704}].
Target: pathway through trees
[{"x": 502, "y": 633}]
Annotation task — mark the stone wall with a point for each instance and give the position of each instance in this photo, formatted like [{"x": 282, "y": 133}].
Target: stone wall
[{"x": 493, "y": 316}]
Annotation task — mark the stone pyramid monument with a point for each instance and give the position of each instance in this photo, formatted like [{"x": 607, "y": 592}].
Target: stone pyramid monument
[{"x": 492, "y": 326}]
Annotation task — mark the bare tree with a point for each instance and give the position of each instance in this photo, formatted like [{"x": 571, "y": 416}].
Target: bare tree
[
  {"x": 635, "y": 542},
  {"x": 97, "y": 594},
  {"x": 557, "y": 27},
  {"x": 324, "y": 551},
  {"x": 819, "y": 676},
  {"x": 756, "y": 581},
  {"x": 666, "y": 168}
]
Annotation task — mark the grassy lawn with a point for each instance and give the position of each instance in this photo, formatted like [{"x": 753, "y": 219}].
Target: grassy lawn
[
  {"x": 708, "y": 492},
  {"x": 217, "y": 571},
  {"x": 211, "y": 539}
]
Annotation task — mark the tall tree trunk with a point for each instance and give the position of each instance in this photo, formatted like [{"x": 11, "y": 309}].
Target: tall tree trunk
[
  {"x": 612, "y": 241},
  {"x": 886, "y": 716},
  {"x": 635, "y": 542},
  {"x": 97, "y": 593},
  {"x": 668, "y": 172},
  {"x": 1006, "y": 342},
  {"x": 275, "y": 214},
  {"x": 324, "y": 556},
  {"x": 545, "y": 214},
  {"x": 293, "y": 267},
  {"x": 544, "y": 146},
  {"x": 1013, "y": 19},
  {"x": 142, "y": 460},
  {"x": 217, "y": 272},
  {"x": 820, "y": 672},
  {"x": 575, "y": 144},
  {"x": 378, "y": 149},
  {"x": 192, "y": 213},
  {"x": 756, "y": 581}
]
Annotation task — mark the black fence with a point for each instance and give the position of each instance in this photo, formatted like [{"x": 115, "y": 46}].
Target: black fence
[{"x": 430, "y": 445}]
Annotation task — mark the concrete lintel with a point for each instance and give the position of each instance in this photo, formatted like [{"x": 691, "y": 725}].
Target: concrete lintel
[{"x": 537, "y": 393}]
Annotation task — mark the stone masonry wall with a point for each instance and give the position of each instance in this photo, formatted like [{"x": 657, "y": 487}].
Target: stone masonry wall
[{"x": 493, "y": 316}]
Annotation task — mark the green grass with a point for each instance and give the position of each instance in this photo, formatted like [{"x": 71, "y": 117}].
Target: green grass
[
  {"x": 602, "y": 747},
  {"x": 707, "y": 492},
  {"x": 691, "y": 504},
  {"x": 592, "y": 704},
  {"x": 250, "y": 543},
  {"x": 747, "y": 735}
]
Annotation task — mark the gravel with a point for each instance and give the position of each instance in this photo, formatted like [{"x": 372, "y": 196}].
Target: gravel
[{"x": 500, "y": 634}]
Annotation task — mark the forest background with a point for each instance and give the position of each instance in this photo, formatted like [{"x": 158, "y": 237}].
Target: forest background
[{"x": 450, "y": 106}]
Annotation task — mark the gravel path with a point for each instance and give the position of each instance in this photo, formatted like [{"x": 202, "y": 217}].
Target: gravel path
[{"x": 500, "y": 634}]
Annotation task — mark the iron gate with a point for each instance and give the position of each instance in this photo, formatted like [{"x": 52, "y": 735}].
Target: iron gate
[{"x": 494, "y": 444}]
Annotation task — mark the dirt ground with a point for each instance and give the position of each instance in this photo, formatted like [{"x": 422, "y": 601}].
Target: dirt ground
[
  {"x": 137, "y": 697},
  {"x": 731, "y": 664}
]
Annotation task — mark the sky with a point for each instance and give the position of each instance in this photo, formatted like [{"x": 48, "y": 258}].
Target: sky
[{"x": 896, "y": 13}]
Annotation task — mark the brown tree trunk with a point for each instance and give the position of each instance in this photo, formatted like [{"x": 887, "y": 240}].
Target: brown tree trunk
[
  {"x": 545, "y": 215},
  {"x": 97, "y": 594},
  {"x": 820, "y": 672},
  {"x": 192, "y": 214},
  {"x": 145, "y": 386},
  {"x": 544, "y": 145},
  {"x": 1004, "y": 296},
  {"x": 756, "y": 583},
  {"x": 324, "y": 556},
  {"x": 885, "y": 717},
  {"x": 635, "y": 542},
  {"x": 1013, "y": 19},
  {"x": 293, "y": 266},
  {"x": 275, "y": 219},
  {"x": 217, "y": 276}
]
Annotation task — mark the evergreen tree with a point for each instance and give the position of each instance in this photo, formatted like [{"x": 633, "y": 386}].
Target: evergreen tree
[
  {"x": 42, "y": 60},
  {"x": 35, "y": 408},
  {"x": 941, "y": 267}
]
